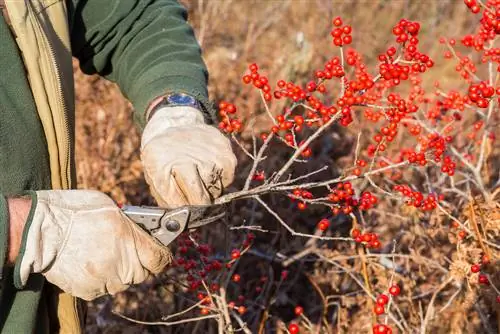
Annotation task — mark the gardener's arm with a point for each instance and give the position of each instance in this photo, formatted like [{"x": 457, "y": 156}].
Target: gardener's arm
[
  {"x": 145, "y": 46},
  {"x": 149, "y": 49},
  {"x": 13, "y": 216},
  {"x": 17, "y": 210}
]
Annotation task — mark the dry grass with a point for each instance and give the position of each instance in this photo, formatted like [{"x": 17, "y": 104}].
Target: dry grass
[{"x": 289, "y": 39}]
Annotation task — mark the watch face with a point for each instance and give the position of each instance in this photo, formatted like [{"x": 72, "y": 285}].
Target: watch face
[{"x": 181, "y": 99}]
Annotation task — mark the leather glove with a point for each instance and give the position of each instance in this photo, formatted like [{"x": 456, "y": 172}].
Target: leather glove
[
  {"x": 186, "y": 162},
  {"x": 83, "y": 243}
]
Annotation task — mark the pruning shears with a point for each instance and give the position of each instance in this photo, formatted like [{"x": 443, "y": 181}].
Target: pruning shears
[{"x": 166, "y": 225}]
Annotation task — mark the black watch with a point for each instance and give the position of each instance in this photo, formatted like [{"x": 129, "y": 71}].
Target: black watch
[{"x": 176, "y": 99}]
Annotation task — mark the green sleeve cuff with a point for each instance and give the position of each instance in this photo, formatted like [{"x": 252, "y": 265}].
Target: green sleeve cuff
[
  {"x": 167, "y": 85},
  {"x": 17, "y": 276},
  {"x": 4, "y": 232}
]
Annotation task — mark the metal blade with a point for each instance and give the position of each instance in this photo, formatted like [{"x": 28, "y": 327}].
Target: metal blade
[{"x": 204, "y": 215}]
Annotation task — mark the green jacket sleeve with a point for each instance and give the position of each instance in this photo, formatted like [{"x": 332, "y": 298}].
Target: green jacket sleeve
[{"x": 145, "y": 46}]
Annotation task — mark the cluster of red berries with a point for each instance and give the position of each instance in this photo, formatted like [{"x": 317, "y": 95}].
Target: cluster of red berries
[
  {"x": 379, "y": 309},
  {"x": 407, "y": 35},
  {"x": 405, "y": 30},
  {"x": 194, "y": 259},
  {"x": 492, "y": 54},
  {"x": 417, "y": 157},
  {"x": 395, "y": 115},
  {"x": 476, "y": 268},
  {"x": 490, "y": 23},
  {"x": 394, "y": 72},
  {"x": 341, "y": 34},
  {"x": 366, "y": 201},
  {"x": 482, "y": 277},
  {"x": 480, "y": 94},
  {"x": 448, "y": 166},
  {"x": 228, "y": 124},
  {"x": 452, "y": 101},
  {"x": 332, "y": 69},
  {"x": 416, "y": 198},
  {"x": 301, "y": 194},
  {"x": 289, "y": 90},
  {"x": 473, "y": 6},
  {"x": 436, "y": 144},
  {"x": 259, "y": 81},
  {"x": 370, "y": 240},
  {"x": 360, "y": 163},
  {"x": 342, "y": 196}
]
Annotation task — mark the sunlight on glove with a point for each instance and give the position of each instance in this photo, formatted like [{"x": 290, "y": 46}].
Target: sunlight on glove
[
  {"x": 186, "y": 162},
  {"x": 83, "y": 243}
]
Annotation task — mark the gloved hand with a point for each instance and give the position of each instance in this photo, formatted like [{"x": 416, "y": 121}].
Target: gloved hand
[
  {"x": 185, "y": 160},
  {"x": 82, "y": 242}
]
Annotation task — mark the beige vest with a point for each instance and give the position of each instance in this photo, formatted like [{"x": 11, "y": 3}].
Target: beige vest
[{"x": 42, "y": 34}]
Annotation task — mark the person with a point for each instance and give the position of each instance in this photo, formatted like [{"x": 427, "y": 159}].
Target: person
[{"x": 56, "y": 243}]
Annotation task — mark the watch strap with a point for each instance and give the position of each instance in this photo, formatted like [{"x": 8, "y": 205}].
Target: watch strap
[{"x": 162, "y": 101}]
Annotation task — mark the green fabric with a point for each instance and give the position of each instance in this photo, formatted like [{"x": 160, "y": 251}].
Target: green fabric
[
  {"x": 146, "y": 47},
  {"x": 24, "y": 165}
]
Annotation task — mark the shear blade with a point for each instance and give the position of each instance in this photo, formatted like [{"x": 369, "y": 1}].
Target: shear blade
[{"x": 204, "y": 215}]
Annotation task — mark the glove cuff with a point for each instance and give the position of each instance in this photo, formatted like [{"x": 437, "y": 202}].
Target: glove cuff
[{"x": 170, "y": 117}]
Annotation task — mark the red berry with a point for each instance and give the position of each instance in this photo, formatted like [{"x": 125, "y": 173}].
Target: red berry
[
  {"x": 247, "y": 79},
  {"x": 394, "y": 290},
  {"x": 337, "y": 21},
  {"x": 323, "y": 224},
  {"x": 483, "y": 279},
  {"x": 355, "y": 233},
  {"x": 301, "y": 206},
  {"x": 298, "y": 310},
  {"x": 475, "y": 268},
  {"x": 380, "y": 329},
  {"x": 293, "y": 328},
  {"x": 235, "y": 253},
  {"x": 379, "y": 309},
  {"x": 382, "y": 299}
]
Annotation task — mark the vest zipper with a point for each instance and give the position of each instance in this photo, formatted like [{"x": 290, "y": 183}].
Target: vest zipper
[{"x": 63, "y": 139}]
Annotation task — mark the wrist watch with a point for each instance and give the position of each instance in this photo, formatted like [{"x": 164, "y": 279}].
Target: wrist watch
[{"x": 173, "y": 100}]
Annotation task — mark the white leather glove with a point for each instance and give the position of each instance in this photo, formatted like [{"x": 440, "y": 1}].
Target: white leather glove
[
  {"x": 185, "y": 160},
  {"x": 83, "y": 243}
]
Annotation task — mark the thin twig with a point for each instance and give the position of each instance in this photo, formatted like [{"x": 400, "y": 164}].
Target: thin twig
[{"x": 165, "y": 323}]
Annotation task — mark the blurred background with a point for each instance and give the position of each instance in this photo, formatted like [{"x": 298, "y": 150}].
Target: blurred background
[{"x": 289, "y": 39}]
